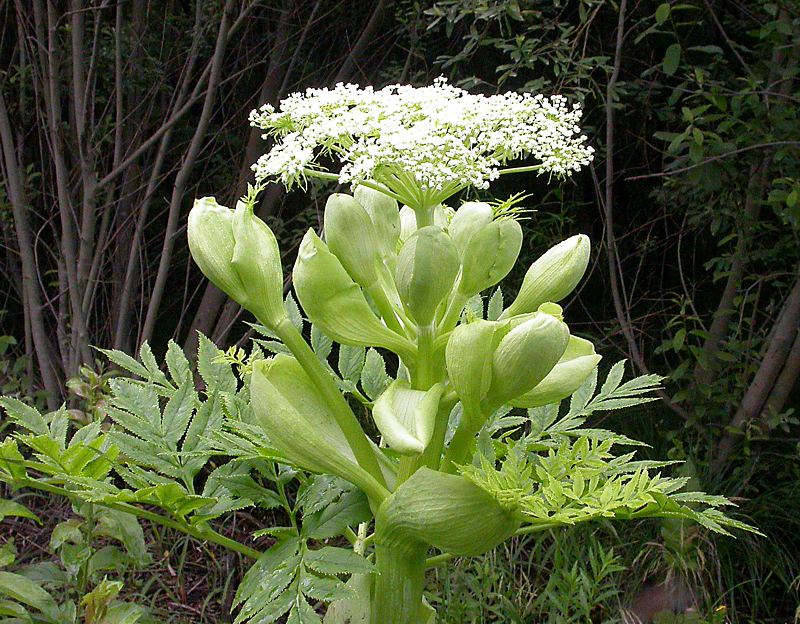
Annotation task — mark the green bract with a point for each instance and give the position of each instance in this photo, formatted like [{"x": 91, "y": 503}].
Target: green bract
[
  {"x": 426, "y": 269},
  {"x": 406, "y": 417},
  {"x": 351, "y": 237},
  {"x": 299, "y": 423},
  {"x": 576, "y": 364},
  {"x": 446, "y": 511},
  {"x": 489, "y": 254},
  {"x": 335, "y": 303}
]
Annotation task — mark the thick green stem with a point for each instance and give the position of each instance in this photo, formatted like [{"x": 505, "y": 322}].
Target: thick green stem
[
  {"x": 425, "y": 374},
  {"x": 345, "y": 418},
  {"x": 399, "y": 583}
]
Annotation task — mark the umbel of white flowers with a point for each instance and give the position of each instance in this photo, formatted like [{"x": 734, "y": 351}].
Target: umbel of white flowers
[{"x": 420, "y": 144}]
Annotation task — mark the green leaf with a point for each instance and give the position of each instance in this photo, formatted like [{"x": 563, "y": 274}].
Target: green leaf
[
  {"x": 321, "y": 344},
  {"x": 374, "y": 379},
  {"x": 30, "y": 593},
  {"x": 495, "y": 307},
  {"x": 302, "y": 613},
  {"x": 217, "y": 376},
  {"x": 662, "y": 13},
  {"x": 331, "y": 560},
  {"x": 351, "y": 362},
  {"x": 124, "y": 528},
  {"x": 178, "y": 412},
  {"x": 25, "y": 415},
  {"x": 125, "y": 362},
  {"x": 11, "y": 508},
  {"x": 614, "y": 377},
  {"x": 177, "y": 364},
  {"x": 351, "y": 509},
  {"x": 672, "y": 58}
]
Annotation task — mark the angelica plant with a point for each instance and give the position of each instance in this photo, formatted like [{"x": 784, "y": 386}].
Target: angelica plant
[
  {"x": 398, "y": 270},
  {"x": 435, "y": 429}
]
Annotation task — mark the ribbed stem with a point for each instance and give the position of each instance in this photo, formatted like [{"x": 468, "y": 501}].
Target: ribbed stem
[{"x": 399, "y": 583}]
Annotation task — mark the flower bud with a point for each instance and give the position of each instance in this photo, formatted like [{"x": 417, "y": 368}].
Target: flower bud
[
  {"x": 351, "y": 237},
  {"x": 489, "y": 255},
  {"x": 296, "y": 419},
  {"x": 239, "y": 254},
  {"x": 553, "y": 276},
  {"x": 406, "y": 417},
  {"x": 469, "y": 365},
  {"x": 335, "y": 303},
  {"x": 385, "y": 216},
  {"x": 526, "y": 355},
  {"x": 469, "y": 219},
  {"x": 577, "y": 363},
  {"x": 408, "y": 220},
  {"x": 426, "y": 269},
  {"x": 446, "y": 511}
]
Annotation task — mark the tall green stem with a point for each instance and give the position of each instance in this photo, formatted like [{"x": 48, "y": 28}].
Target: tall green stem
[
  {"x": 345, "y": 418},
  {"x": 399, "y": 583}
]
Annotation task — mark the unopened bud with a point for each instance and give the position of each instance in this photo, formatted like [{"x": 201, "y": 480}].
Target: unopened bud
[
  {"x": 526, "y": 355},
  {"x": 334, "y": 302},
  {"x": 351, "y": 237},
  {"x": 426, "y": 270},
  {"x": 239, "y": 254},
  {"x": 489, "y": 255},
  {"x": 385, "y": 216},
  {"x": 577, "y": 363},
  {"x": 553, "y": 276},
  {"x": 468, "y": 219},
  {"x": 405, "y": 417},
  {"x": 446, "y": 511},
  {"x": 469, "y": 362}
]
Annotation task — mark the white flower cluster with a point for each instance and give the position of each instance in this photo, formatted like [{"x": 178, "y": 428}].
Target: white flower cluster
[{"x": 430, "y": 141}]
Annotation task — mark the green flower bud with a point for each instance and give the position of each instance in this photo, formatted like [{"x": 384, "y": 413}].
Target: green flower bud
[
  {"x": 553, "y": 276},
  {"x": 408, "y": 220},
  {"x": 385, "y": 216},
  {"x": 426, "y": 270},
  {"x": 469, "y": 365},
  {"x": 469, "y": 219},
  {"x": 577, "y": 363},
  {"x": 526, "y": 355},
  {"x": 297, "y": 421},
  {"x": 406, "y": 417},
  {"x": 239, "y": 254},
  {"x": 351, "y": 237},
  {"x": 446, "y": 511},
  {"x": 335, "y": 303},
  {"x": 489, "y": 255}
]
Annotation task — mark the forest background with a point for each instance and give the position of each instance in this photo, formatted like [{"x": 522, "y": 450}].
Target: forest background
[{"x": 114, "y": 116}]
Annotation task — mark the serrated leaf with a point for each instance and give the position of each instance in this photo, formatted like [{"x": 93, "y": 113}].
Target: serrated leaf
[
  {"x": 613, "y": 379},
  {"x": 331, "y": 560},
  {"x": 321, "y": 344},
  {"x": 324, "y": 588},
  {"x": 302, "y": 613},
  {"x": 495, "y": 307},
  {"x": 154, "y": 373},
  {"x": 218, "y": 376},
  {"x": 25, "y": 415},
  {"x": 583, "y": 395},
  {"x": 178, "y": 412},
  {"x": 351, "y": 362},
  {"x": 125, "y": 362},
  {"x": 351, "y": 509},
  {"x": 177, "y": 364},
  {"x": 374, "y": 378},
  {"x": 293, "y": 310}
]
